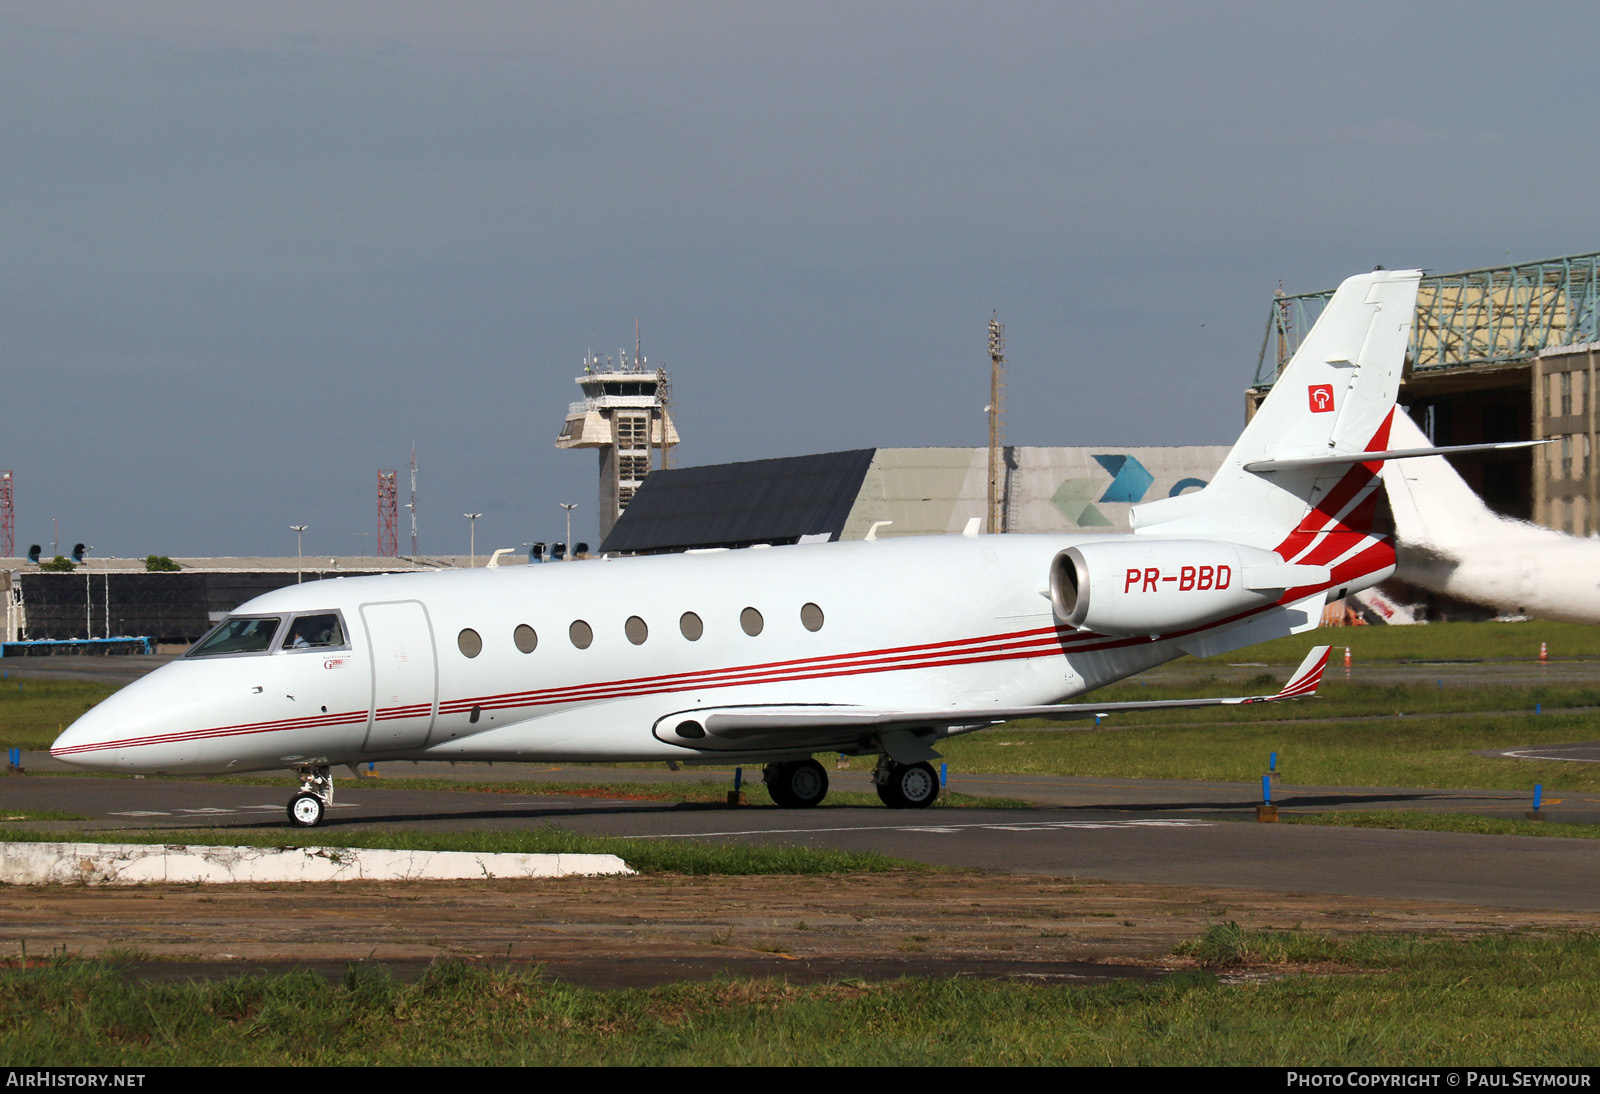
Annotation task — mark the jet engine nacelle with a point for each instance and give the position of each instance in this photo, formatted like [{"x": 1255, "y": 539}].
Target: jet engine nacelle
[{"x": 1162, "y": 586}]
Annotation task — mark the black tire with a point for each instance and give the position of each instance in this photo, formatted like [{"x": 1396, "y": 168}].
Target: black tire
[
  {"x": 796, "y": 785},
  {"x": 910, "y": 786},
  {"x": 306, "y": 811}
]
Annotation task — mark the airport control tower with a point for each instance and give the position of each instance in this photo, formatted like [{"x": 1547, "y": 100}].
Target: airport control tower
[{"x": 623, "y": 413}]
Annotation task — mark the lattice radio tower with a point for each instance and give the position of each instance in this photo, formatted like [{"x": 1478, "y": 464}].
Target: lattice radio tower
[
  {"x": 388, "y": 514},
  {"x": 8, "y": 538}
]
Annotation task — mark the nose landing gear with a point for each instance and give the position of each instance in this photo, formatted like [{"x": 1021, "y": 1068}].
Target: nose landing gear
[{"x": 308, "y": 808}]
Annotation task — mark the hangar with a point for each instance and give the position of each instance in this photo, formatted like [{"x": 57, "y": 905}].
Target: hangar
[{"x": 917, "y": 491}]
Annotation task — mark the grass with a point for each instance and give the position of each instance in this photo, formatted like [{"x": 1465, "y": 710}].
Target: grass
[
  {"x": 1412, "y": 752},
  {"x": 1337, "y": 698},
  {"x": 33, "y": 712},
  {"x": 650, "y": 856},
  {"x": 1434, "y": 642},
  {"x": 1228, "y": 945},
  {"x": 1414, "y": 821},
  {"x": 1375, "y": 1001}
]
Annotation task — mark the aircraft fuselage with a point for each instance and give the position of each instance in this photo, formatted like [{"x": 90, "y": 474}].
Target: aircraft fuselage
[{"x": 581, "y": 662}]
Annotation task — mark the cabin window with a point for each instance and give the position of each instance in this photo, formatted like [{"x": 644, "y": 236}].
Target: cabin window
[
  {"x": 581, "y": 634},
  {"x": 470, "y": 642},
  {"x": 526, "y": 638},
  {"x": 751, "y": 621},
  {"x": 636, "y": 630},
  {"x": 321, "y": 631},
  {"x": 245, "y": 634},
  {"x": 811, "y": 617},
  {"x": 690, "y": 625}
]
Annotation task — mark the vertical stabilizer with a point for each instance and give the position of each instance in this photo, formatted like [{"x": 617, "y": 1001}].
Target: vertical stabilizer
[{"x": 1334, "y": 398}]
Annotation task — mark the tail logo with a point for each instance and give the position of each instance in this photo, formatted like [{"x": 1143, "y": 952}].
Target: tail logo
[{"x": 1321, "y": 398}]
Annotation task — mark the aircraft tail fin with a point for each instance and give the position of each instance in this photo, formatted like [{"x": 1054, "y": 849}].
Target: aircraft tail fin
[{"x": 1334, "y": 399}]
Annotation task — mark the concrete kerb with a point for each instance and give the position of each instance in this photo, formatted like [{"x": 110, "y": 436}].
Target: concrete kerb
[{"x": 135, "y": 864}]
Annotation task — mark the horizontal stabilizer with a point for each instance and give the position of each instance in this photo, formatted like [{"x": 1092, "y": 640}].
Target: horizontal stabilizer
[
  {"x": 1392, "y": 454},
  {"x": 826, "y": 727}
]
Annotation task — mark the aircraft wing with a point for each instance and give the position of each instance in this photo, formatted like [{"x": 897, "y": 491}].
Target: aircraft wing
[{"x": 828, "y": 727}]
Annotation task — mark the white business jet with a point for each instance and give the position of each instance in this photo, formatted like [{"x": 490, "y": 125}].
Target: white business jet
[{"x": 767, "y": 656}]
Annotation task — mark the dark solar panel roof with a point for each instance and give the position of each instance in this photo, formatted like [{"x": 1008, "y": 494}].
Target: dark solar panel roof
[{"x": 739, "y": 504}]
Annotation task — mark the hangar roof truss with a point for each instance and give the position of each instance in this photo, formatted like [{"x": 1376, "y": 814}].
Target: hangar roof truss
[{"x": 1486, "y": 317}]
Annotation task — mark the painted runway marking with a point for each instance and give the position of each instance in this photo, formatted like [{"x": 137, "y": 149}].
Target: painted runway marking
[
  {"x": 1537, "y": 754},
  {"x": 939, "y": 829},
  {"x": 214, "y": 810}
]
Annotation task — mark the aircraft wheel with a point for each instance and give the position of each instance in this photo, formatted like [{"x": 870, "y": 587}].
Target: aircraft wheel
[
  {"x": 909, "y": 786},
  {"x": 798, "y": 785},
  {"x": 305, "y": 811}
]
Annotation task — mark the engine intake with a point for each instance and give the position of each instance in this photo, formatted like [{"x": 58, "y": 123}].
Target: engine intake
[{"x": 1161, "y": 586}]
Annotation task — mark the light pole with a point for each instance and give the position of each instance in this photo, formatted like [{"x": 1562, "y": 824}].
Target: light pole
[
  {"x": 472, "y": 537},
  {"x": 88, "y": 599},
  {"x": 569, "y": 507},
  {"x": 298, "y": 530}
]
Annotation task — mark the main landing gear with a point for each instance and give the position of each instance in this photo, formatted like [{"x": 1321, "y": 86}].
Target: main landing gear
[
  {"x": 801, "y": 784},
  {"x": 905, "y": 786},
  {"x": 796, "y": 784},
  {"x": 308, "y": 807}
]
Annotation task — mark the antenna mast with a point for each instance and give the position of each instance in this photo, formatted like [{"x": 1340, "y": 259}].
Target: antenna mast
[
  {"x": 413, "y": 505},
  {"x": 997, "y": 359},
  {"x": 8, "y": 541},
  {"x": 388, "y": 514}
]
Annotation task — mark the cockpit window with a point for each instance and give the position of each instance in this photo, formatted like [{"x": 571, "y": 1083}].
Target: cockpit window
[
  {"x": 242, "y": 634},
  {"x": 314, "y": 632}
]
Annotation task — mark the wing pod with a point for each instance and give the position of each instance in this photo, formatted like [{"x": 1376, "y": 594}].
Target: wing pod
[{"x": 1161, "y": 586}]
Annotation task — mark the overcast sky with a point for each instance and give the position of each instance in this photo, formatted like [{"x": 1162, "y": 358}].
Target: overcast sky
[{"x": 253, "y": 252}]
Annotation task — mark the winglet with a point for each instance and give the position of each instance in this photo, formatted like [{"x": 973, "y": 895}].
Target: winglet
[{"x": 1307, "y": 677}]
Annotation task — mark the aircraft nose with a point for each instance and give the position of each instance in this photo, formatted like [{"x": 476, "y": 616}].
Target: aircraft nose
[
  {"x": 92, "y": 741},
  {"x": 126, "y": 730}
]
